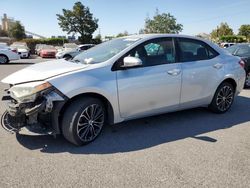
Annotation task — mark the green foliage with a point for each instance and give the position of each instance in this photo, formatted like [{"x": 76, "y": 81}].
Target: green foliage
[
  {"x": 125, "y": 33},
  {"x": 17, "y": 31},
  {"x": 31, "y": 43},
  {"x": 79, "y": 20},
  {"x": 3, "y": 33},
  {"x": 233, "y": 38},
  {"x": 221, "y": 30},
  {"x": 245, "y": 31},
  {"x": 97, "y": 39},
  {"x": 162, "y": 23}
]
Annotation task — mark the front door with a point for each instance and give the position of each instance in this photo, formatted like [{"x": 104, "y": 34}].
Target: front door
[{"x": 154, "y": 87}]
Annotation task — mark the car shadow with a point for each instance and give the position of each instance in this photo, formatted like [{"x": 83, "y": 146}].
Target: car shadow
[{"x": 148, "y": 132}]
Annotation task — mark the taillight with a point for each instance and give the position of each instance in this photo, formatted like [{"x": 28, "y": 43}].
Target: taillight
[
  {"x": 242, "y": 63},
  {"x": 14, "y": 51}
]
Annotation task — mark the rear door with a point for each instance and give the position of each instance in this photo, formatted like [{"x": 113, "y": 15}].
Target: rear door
[{"x": 201, "y": 71}]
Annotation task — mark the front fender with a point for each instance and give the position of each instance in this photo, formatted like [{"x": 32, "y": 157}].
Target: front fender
[{"x": 100, "y": 81}]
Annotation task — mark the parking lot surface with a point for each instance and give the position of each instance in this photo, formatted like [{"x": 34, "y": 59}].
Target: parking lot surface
[{"x": 192, "y": 148}]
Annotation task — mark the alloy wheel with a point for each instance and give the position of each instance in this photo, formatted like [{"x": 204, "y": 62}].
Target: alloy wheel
[
  {"x": 3, "y": 59},
  {"x": 225, "y": 98},
  {"x": 90, "y": 122}
]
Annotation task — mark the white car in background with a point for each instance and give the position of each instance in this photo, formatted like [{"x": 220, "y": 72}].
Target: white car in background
[
  {"x": 6, "y": 54},
  {"x": 71, "y": 53},
  {"x": 22, "y": 50},
  {"x": 69, "y": 46}
]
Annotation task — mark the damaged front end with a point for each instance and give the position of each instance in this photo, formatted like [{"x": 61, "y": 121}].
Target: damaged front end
[{"x": 35, "y": 106}]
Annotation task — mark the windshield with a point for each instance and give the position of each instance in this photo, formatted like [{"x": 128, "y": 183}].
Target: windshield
[
  {"x": 70, "y": 45},
  {"x": 48, "y": 47},
  {"x": 104, "y": 51}
]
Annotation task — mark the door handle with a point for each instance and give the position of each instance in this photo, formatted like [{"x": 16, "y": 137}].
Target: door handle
[
  {"x": 174, "y": 72},
  {"x": 218, "y": 66}
]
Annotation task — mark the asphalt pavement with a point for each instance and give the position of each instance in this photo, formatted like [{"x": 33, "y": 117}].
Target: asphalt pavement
[{"x": 192, "y": 148}]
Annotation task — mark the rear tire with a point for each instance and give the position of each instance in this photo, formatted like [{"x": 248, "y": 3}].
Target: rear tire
[
  {"x": 223, "y": 98},
  {"x": 83, "y": 121},
  {"x": 4, "y": 59}
]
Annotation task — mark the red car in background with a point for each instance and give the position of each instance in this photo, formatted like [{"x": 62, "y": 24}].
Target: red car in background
[{"x": 48, "y": 51}]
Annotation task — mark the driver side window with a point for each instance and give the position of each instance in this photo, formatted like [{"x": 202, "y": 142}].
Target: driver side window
[{"x": 155, "y": 52}]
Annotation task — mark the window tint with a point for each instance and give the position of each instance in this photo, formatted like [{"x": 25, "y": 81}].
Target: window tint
[
  {"x": 243, "y": 50},
  {"x": 155, "y": 52},
  {"x": 194, "y": 50}
]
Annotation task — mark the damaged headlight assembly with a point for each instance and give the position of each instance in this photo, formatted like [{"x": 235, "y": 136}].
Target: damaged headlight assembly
[
  {"x": 28, "y": 92},
  {"x": 31, "y": 105}
]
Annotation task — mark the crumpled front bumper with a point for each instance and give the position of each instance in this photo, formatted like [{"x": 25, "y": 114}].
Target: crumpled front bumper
[{"x": 43, "y": 113}]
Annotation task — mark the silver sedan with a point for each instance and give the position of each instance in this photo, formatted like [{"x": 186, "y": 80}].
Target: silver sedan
[{"x": 119, "y": 80}]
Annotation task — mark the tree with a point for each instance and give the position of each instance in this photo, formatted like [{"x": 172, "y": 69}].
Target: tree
[
  {"x": 162, "y": 23},
  {"x": 125, "y": 33},
  {"x": 79, "y": 20},
  {"x": 17, "y": 31},
  {"x": 222, "y": 30},
  {"x": 3, "y": 33},
  {"x": 245, "y": 31},
  {"x": 97, "y": 39}
]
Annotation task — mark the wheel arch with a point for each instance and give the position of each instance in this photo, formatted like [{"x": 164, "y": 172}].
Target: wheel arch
[
  {"x": 231, "y": 81},
  {"x": 107, "y": 104}
]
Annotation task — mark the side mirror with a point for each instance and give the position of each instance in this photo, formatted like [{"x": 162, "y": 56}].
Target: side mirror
[{"x": 131, "y": 62}]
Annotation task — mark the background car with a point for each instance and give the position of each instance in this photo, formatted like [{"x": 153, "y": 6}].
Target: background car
[
  {"x": 48, "y": 51},
  {"x": 69, "y": 46},
  {"x": 226, "y": 44},
  {"x": 22, "y": 49},
  {"x": 38, "y": 47},
  {"x": 6, "y": 54},
  {"x": 71, "y": 53},
  {"x": 59, "y": 48},
  {"x": 243, "y": 51}
]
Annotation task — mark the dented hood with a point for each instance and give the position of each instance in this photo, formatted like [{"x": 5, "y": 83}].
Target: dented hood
[{"x": 43, "y": 71}]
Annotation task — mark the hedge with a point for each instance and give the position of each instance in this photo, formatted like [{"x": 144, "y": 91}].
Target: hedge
[
  {"x": 233, "y": 38},
  {"x": 31, "y": 43}
]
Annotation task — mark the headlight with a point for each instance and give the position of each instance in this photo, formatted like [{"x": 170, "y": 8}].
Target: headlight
[{"x": 28, "y": 92}]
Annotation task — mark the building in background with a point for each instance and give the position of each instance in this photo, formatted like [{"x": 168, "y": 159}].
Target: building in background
[{"x": 7, "y": 23}]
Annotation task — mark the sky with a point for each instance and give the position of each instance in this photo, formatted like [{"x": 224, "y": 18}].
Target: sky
[{"x": 116, "y": 16}]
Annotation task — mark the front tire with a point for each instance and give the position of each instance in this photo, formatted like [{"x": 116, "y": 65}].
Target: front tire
[
  {"x": 223, "y": 98},
  {"x": 83, "y": 121}
]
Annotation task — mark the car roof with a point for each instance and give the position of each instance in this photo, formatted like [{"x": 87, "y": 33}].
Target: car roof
[
  {"x": 153, "y": 36},
  {"x": 156, "y": 35}
]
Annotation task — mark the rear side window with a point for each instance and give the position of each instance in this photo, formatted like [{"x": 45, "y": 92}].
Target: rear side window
[{"x": 194, "y": 50}]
